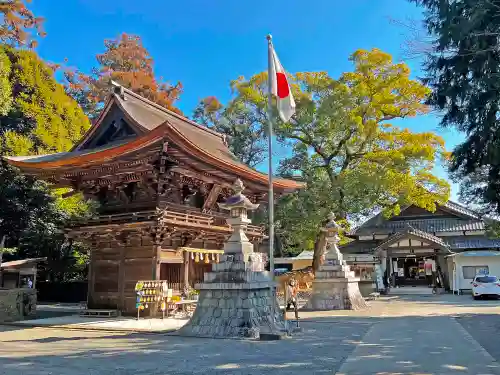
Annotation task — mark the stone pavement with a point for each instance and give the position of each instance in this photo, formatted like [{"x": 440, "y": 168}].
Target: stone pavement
[
  {"x": 130, "y": 324},
  {"x": 427, "y": 345},
  {"x": 410, "y": 335}
]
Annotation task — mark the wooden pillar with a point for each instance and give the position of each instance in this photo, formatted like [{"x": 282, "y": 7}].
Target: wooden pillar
[
  {"x": 185, "y": 268},
  {"x": 34, "y": 276},
  {"x": 90, "y": 283},
  {"x": 121, "y": 280},
  {"x": 388, "y": 268},
  {"x": 156, "y": 262}
]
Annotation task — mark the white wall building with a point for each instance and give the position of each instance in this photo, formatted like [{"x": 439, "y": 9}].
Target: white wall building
[{"x": 465, "y": 265}]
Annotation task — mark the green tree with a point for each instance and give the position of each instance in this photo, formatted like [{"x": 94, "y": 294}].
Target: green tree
[
  {"x": 463, "y": 71},
  {"x": 37, "y": 117},
  {"x": 241, "y": 121},
  {"x": 5, "y": 86},
  {"x": 42, "y": 118},
  {"x": 343, "y": 145},
  {"x": 32, "y": 219}
]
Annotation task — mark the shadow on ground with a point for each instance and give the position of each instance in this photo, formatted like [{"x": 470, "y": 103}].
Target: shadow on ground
[
  {"x": 369, "y": 342},
  {"x": 446, "y": 300},
  {"x": 322, "y": 348}
]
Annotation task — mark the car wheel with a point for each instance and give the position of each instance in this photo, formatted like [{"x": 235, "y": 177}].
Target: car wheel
[{"x": 476, "y": 297}]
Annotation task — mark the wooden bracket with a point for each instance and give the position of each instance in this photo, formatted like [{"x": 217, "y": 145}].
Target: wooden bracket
[{"x": 212, "y": 198}]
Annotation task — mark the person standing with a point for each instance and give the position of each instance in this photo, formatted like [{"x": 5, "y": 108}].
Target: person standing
[{"x": 292, "y": 290}]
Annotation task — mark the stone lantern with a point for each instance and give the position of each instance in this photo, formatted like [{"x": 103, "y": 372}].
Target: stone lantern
[
  {"x": 238, "y": 206},
  {"x": 235, "y": 298},
  {"x": 335, "y": 287},
  {"x": 332, "y": 239}
]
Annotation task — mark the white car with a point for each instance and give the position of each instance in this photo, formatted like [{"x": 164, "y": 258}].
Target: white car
[{"x": 485, "y": 286}]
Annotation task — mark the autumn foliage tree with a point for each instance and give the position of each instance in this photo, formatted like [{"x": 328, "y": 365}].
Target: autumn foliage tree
[
  {"x": 18, "y": 24},
  {"x": 355, "y": 162},
  {"x": 127, "y": 62}
]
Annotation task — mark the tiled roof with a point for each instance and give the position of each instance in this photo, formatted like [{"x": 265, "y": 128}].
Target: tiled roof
[
  {"x": 473, "y": 243},
  {"x": 461, "y": 209},
  {"x": 22, "y": 262},
  {"x": 412, "y": 232},
  {"x": 466, "y": 220},
  {"x": 480, "y": 253},
  {"x": 151, "y": 118},
  {"x": 427, "y": 225},
  {"x": 85, "y": 157}
]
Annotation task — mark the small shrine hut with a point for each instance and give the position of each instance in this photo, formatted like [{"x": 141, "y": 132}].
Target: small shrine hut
[{"x": 158, "y": 178}]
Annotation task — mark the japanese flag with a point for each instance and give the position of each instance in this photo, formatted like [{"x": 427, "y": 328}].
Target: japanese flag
[{"x": 280, "y": 87}]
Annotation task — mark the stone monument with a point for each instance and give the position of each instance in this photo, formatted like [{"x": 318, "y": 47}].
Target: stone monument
[
  {"x": 335, "y": 287},
  {"x": 235, "y": 298}
]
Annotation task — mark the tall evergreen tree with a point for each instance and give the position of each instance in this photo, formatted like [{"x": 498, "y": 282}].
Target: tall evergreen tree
[
  {"x": 5, "y": 86},
  {"x": 36, "y": 116},
  {"x": 42, "y": 118},
  {"x": 463, "y": 70}
]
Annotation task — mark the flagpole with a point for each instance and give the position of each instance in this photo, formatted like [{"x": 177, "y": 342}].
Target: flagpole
[{"x": 270, "y": 175}]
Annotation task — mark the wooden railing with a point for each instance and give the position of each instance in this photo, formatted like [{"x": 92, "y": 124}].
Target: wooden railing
[
  {"x": 173, "y": 214},
  {"x": 128, "y": 217},
  {"x": 187, "y": 217}
]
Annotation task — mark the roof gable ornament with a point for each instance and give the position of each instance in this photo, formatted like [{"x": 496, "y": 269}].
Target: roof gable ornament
[
  {"x": 118, "y": 89},
  {"x": 224, "y": 140}
]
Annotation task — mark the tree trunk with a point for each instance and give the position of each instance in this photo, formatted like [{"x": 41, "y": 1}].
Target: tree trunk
[
  {"x": 278, "y": 245},
  {"x": 2, "y": 244},
  {"x": 319, "y": 250}
]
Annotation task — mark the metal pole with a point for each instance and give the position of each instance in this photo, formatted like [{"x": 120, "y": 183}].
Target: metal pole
[
  {"x": 285, "y": 291},
  {"x": 270, "y": 157}
]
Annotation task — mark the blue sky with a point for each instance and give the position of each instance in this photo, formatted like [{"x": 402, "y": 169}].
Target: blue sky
[{"x": 206, "y": 44}]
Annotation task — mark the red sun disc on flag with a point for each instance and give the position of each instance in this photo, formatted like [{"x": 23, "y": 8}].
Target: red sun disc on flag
[{"x": 282, "y": 83}]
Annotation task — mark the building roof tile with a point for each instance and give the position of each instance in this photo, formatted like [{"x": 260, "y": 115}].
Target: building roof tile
[
  {"x": 434, "y": 225},
  {"x": 153, "y": 118},
  {"x": 412, "y": 232}
]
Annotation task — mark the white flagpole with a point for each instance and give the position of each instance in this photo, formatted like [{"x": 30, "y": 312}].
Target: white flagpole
[{"x": 270, "y": 157}]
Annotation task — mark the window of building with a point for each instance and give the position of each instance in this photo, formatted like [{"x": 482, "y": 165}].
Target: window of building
[{"x": 471, "y": 271}]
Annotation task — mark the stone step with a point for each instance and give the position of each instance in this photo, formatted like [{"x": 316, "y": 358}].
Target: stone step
[{"x": 94, "y": 313}]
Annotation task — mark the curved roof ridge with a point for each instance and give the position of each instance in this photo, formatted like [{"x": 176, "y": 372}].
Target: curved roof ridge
[
  {"x": 165, "y": 110},
  {"x": 454, "y": 205}
]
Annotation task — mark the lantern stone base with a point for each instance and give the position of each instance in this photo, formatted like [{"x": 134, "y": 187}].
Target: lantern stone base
[
  {"x": 235, "y": 302},
  {"x": 335, "y": 288},
  {"x": 17, "y": 304}
]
